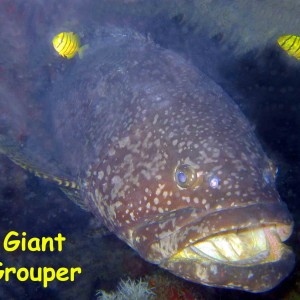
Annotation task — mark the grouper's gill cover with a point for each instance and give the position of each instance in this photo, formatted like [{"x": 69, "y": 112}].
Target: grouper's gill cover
[{"x": 171, "y": 165}]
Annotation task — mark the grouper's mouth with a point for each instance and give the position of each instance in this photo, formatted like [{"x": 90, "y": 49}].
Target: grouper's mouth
[
  {"x": 240, "y": 247},
  {"x": 253, "y": 259}
]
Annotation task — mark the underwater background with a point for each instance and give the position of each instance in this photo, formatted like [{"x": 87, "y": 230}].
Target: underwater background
[{"x": 234, "y": 42}]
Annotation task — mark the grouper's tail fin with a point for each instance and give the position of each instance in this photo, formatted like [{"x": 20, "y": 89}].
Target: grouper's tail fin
[{"x": 19, "y": 156}]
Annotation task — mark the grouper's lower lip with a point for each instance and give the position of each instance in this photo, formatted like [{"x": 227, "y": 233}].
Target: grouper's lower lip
[
  {"x": 253, "y": 259},
  {"x": 244, "y": 247}
]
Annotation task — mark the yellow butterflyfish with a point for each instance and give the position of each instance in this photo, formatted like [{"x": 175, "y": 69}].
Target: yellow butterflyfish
[
  {"x": 290, "y": 44},
  {"x": 67, "y": 44}
]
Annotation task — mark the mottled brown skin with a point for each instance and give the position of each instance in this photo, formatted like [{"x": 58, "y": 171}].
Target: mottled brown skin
[{"x": 125, "y": 118}]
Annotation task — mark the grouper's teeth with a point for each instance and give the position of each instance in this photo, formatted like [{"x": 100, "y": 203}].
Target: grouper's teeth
[{"x": 242, "y": 247}]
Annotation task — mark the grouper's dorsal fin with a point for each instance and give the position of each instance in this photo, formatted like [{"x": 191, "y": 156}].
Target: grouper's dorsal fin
[{"x": 19, "y": 156}]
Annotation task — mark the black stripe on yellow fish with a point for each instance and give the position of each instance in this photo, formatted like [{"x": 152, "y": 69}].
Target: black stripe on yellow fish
[
  {"x": 62, "y": 42},
  {"x": 290, "y": 44},
  {"x": 70, "y": 46},
  {"x": 68, "y": 41},
  {"x": 67, "y": 44}
]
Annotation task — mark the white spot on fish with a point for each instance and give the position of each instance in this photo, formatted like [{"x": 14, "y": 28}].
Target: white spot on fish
[
  {"x": 124, "y": 142},
  {"x": 159, "y": 189},
  {"x": 171, "y": 134},
  {"x": 100, "y": 175},
  {"x": 108, "y": 169},
  {"x": 111, "y": 152},
  {"x": 132, "y": 216},
  {"x": 187, "y": 199},
  {"x": 155, "y": 119}
]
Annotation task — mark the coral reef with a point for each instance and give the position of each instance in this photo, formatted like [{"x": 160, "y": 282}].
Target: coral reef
[{"x": 128, "y": 289}]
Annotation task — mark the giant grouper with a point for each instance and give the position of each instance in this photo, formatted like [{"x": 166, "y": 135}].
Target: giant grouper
[{"x": 163, "y": 156}]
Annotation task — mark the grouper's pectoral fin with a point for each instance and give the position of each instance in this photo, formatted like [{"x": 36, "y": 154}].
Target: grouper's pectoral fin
[
  {"x": 75, "y": 196},
  {"x": 21, "y": 158}
]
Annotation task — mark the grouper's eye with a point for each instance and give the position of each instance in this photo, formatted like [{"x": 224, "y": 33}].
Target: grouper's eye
[{"x": 185, "y": 176}]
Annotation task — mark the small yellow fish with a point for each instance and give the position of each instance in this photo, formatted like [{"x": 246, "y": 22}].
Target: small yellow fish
[
  {"x": 67, "y": 44},
  {"x": 290, "y": 44}
]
